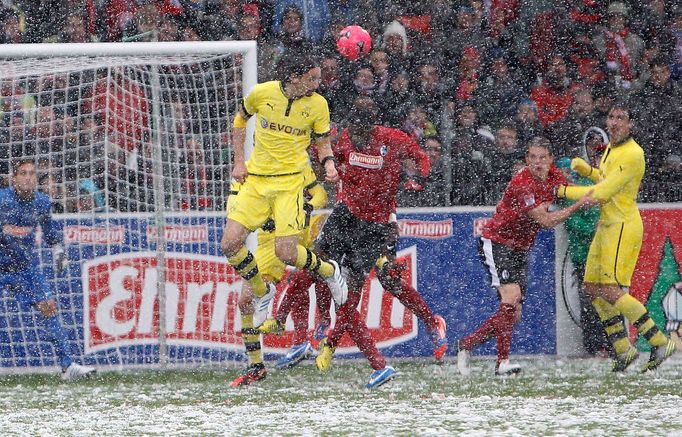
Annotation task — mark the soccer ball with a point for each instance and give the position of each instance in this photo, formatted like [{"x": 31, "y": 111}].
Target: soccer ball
[{"x": 354, "y": 42}]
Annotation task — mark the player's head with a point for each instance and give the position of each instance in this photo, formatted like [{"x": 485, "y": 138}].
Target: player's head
[
  {"x": 24, "y": 179},
  {"x": 619, "y": 123},
  {"x": 300, "y": 74},
  {"x": 361, "y": 120},
  {"x": 539, "y": 157}
]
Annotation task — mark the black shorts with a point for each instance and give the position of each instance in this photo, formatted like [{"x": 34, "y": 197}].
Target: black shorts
[
  {"x": 353, "y": 243},
  {"x": 504, "y": 264}
]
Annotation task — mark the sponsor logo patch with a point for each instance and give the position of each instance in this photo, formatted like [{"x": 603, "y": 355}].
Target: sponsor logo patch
[{"x": 365, "y": 161}]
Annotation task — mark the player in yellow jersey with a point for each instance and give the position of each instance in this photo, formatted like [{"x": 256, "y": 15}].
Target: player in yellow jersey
[
  {"x": 614, "y": 250},
  {"x": 288, "y": 113},
  {"x": 272, "y": 270}
]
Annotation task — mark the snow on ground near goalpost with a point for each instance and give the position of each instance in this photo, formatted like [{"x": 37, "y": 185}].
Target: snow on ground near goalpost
[{"x": 553, "y": 397}]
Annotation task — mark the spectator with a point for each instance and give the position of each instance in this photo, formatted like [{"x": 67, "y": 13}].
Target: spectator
[
  {"x": 290, "y": 38},
  {"x": 216, "y": 20},
  {"x": 168, "y": 30},
  {"x": 467, "y": 156},
  {"x": 528, "y": 124},
  {"x": 566, "y": 135},
  {"x": 676, "y": 30},
  {"x": 588, "y": 67},
  {"x": 505, "y": 160},
  {"x": 554, "y": 95},
  {"x": 394, "y": 42},
  {"x": 468, "y": 74},
  {"x": 417, "y": 191},
  {"x": 11, "y": 28},
  {"x": 398, "y": 101},
  {"x": 360, "y": 12},
  {"x": 51, "y": 185},
  {"x": 499, "y": 93},
  {"x": 379, "y": 62},
  {"x": 75, "y": 30},
  {"x": 659, "y": 121},
  {"x": 327, "y": 46},
  {"x": 314, "y": 18},
  {"x": 331, "y": 87},
  {"x": 466, "y": 34},
  {"x": 249, "y": 28},
  {"x": 418, "y": 124},
  {"x": 620, "y": 49},
  {"x": 430, "y": 89}
]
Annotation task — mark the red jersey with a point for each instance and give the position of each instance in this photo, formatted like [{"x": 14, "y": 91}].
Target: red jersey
[
  {"x": 370, "y": 175},
  {"x": 511, "y": 225}
]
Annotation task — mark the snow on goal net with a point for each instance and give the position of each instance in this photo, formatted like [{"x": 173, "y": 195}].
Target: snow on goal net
[{"x": 131, "y": 142}]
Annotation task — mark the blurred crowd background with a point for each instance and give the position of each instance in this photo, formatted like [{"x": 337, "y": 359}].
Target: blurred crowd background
[{"x": 472, "y": 80}]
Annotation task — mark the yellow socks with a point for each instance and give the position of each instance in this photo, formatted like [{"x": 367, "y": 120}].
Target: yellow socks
[
  {"x": 612, "y": 321},
  {"x": 244, "y": 263},
  {"x": 305, "y": 259},
  {"x": 639, "y": 316},
  {"x": 251, "y": 338}
]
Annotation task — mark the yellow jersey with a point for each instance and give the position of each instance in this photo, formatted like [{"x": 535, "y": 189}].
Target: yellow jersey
[
  {"x": 617, "y": 182},
  {"x": 283, "y": 128}
]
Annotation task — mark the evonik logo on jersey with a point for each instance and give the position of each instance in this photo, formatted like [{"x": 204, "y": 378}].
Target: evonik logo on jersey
[
  {"x": 389, "y": 322},
  {"x": 120, "y": 305}
]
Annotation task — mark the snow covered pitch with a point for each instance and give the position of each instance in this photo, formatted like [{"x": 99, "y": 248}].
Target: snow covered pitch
[{"x": 552, "y": 397}]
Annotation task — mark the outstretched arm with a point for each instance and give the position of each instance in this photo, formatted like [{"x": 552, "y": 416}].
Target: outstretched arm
[
  {"x": 605, "y": 189},
  {"x": 548, "y": 219}
]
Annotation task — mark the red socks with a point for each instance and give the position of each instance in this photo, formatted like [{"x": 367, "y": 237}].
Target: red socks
[
  {"x": 414, "y": 302},
  {"x": 348, "y": 319},
  {"x": 500, "y": 324}
]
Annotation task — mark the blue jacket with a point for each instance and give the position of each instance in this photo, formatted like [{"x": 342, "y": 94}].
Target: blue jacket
[{"x": 19, "y": 220}]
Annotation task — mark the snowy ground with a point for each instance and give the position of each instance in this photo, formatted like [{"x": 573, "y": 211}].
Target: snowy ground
[{"x": 553, "y": 397}]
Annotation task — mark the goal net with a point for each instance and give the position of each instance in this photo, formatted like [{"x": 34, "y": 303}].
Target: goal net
[{"x": 132, "y": 143}]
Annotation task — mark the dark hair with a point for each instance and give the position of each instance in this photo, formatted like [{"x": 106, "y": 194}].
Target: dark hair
[
  {"x": 362, "y": 116},
  {"x": 295, "y": 63},
  {"x": 507, "y": 124},
  {"x": 539, "y": 142},
  {"x": 18, "y": 162},
  {"x": 623, "y": 106}
]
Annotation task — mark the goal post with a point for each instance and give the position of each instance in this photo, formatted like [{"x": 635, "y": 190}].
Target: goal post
[{"x": 133, "y": 143}]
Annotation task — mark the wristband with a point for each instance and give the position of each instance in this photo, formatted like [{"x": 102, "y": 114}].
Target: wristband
[{"x": 327, "y": 158}]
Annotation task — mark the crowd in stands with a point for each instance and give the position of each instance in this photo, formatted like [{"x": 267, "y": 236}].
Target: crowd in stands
[{"x": 472, "y": 80}]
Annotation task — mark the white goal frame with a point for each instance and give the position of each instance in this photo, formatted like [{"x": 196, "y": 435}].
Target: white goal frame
[{"x": 249, "y": 75}]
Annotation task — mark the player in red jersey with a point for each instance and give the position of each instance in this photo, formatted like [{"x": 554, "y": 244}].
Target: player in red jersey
[
  {"x": 504, "y": 245},
  {"x": 359, "y": 227},
  {"x": 389, "y": 273}
]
